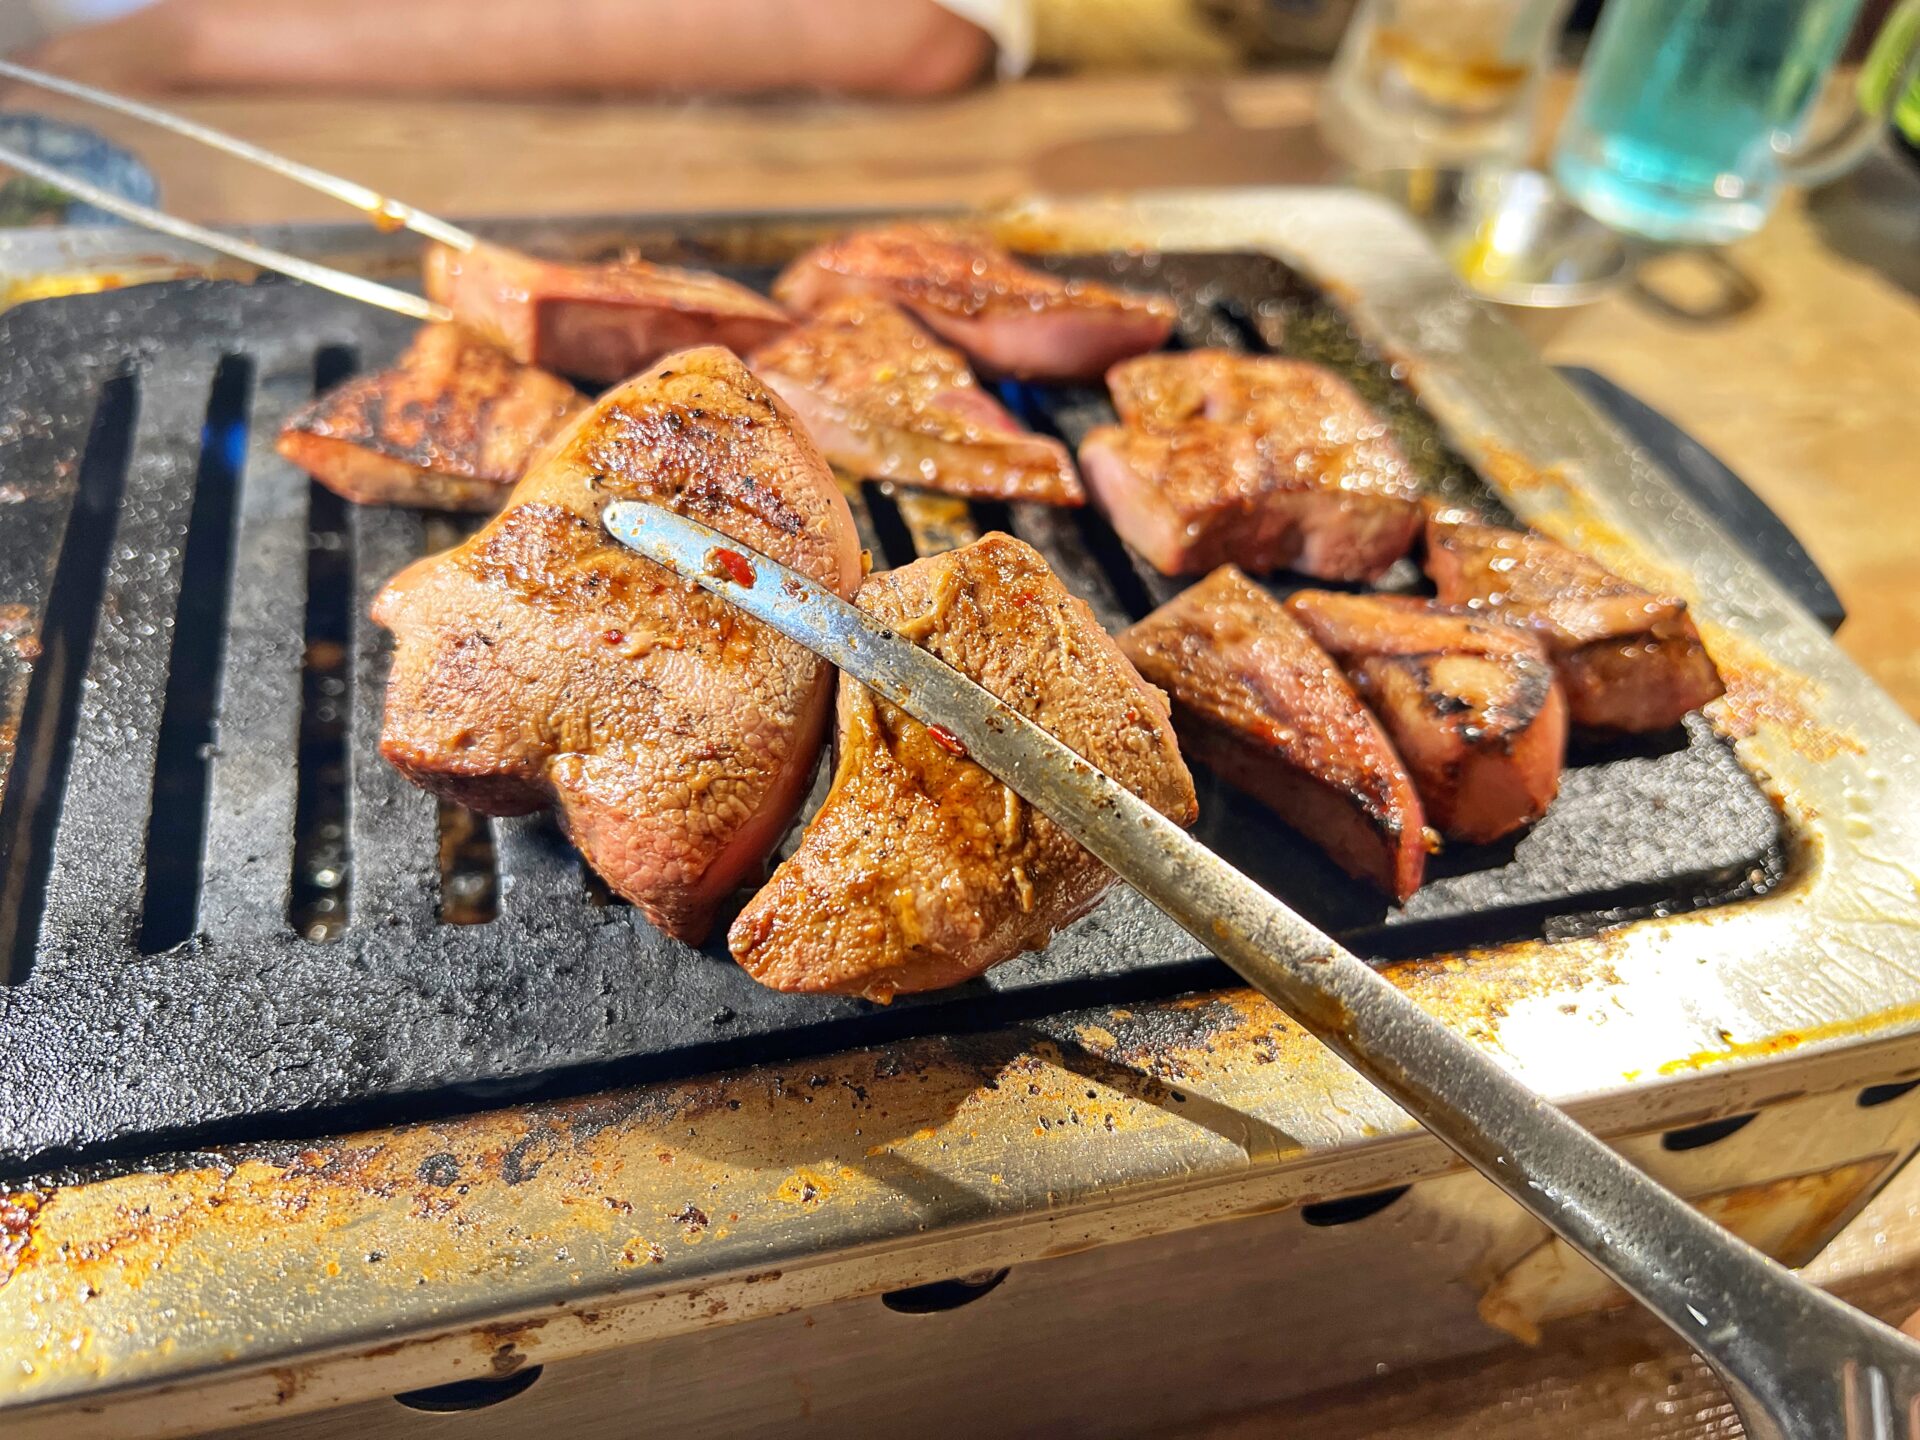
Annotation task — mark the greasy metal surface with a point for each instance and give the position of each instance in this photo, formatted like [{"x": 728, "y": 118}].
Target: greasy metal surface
[
  {"x": 218, "y": 1036},
  {"x": 972, "y": 1150},
  {"x": 1795, "y": 1361}
]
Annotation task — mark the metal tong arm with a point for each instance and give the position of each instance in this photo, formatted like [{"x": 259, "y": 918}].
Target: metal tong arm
[
  {"x": 355, "y": 287},
  {"x": 383, "y": 209},
  {"x": 1796, "y": 1361}
]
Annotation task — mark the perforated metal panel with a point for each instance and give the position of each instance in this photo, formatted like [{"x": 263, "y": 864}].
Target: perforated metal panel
[{"x": 220, "y": 907}]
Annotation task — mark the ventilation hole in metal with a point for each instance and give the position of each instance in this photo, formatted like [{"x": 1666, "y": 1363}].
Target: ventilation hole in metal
[
  {"x": 1696, "y": 1137},
  {"x": 43, "y": 747},
  {"x": 1882, "y": 1094},
  {"x": 322, "y": 865},
  {"x": 1351, "y": 1207},
  {"x": 1105, "y": 546},
  {"x": 599, "y": 893},
  {"x": 469, "y": 876},
  {"x": 896, "y": 541},
  {"x": 992, "y": 515},
  {"x": 470, "y": 1394},
  {"x": 941, "y": 1295},
  {"x": 177, "y": 824}
]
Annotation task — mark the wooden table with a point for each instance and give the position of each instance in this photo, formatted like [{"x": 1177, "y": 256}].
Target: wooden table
[{"x": 1812, "y": 394}]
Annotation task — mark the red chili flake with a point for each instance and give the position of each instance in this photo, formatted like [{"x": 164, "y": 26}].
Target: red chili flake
[
  {"x": 947, "y": 741},
  {"x": 1023, "y": 597},
  {"x": 614, "y": 637},
  {"x": 730, "y": 563}
]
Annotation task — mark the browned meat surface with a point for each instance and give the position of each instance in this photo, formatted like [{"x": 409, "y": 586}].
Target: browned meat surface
[
  {"x": 1012, "y": 319},
  {"x": 1264, "y": 707},
  {"x": 543, "y": 663},
  {"x": 599, "y": 322},
  {"x": 886, "y": 401},
  {"x": 450, "y": 427},
  {"x": 921, "y": 869},
  {"x": 1253, "y": 461},
  {"x": 1629, "y": 659},
  {"x": 1472, "y": 705}
]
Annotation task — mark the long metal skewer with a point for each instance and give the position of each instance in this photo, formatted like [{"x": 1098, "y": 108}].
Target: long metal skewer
[
  {"x": 1797, "y": 1362},
  {"x": 325, "y": 276},
  {"x": 384, "y": 210}
]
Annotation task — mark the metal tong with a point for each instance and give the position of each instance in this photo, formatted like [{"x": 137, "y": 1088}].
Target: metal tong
[
  {"x": 1797, "y": 1362},
  {"x": 383, "y": 211}
]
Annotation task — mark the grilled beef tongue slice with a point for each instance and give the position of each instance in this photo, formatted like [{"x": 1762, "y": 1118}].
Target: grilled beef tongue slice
[
  {"x": 1011, "y": 319},
  {"x": 1263, "y": 706},
  {"x": 1629, "y": 660},
  {"x": 1251, "y": 460},
  {"x": 920, "y": 869},
  {"x": 886, "y": 401},
  {"x": 541, "y": 662},
  {"x": 599, "y": 322},
  {"x": 451, "y": 426},
  {"x": 1471, "y": 704}
]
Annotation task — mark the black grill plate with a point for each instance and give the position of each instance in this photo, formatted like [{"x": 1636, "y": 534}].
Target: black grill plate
[{"x": 138, "y": 1016}]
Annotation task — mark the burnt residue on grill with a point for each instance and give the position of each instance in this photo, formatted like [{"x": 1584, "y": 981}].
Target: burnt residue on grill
[{"x": 448, "y": 922}]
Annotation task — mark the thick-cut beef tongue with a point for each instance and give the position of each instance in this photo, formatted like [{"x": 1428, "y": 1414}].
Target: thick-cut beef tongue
[
  {"x": 1012, "y": 319},
  {"x": 1259, "y": 703},
  {"x": 1472, "y": 705},
  {"x": 598, "y": 322},
  {"x": 452, "y": 426},
  {"x": 1250, "y": 460},
  {"x": 543, "y": 663},
  {"x": 921, "y": 869},
  {"x": 1630, "y": 660},
  {"x": 886, "y": 401}
]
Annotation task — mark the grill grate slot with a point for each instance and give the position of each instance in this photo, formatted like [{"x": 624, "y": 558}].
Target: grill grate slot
[
  {"x": 176, "y": 827},
  {"x": 43, "y": 754},
  {"x": 402, "y": 1014},
  {"x": 322, "y": 862}
]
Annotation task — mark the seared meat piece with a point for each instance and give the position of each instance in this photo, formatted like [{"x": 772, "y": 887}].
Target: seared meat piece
[
  {"x": 1259, "y": 703},
  {"x": 1013, "y": 320},
  {"x": 542, "y": 662},
  {"x": 921, "y": 869},
  {"x": 888, "y": 402},
  {"x": 1628, "y": 659},
  {"x": 450, "y": 427},
  {"x": 1252, "y": 460},
  {"x": 1472, "y": 705},
  {"x": 599, "y": 322}
]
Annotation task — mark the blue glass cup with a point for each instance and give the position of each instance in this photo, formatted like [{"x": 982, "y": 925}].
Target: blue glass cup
[{"x": 1691, "y": 114}]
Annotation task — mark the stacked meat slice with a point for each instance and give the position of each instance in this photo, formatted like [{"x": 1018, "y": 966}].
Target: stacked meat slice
[
  {"x": 886, "y": 401},
  {"x": 1267, "y": 709},
  {"x": 452, "y": 426},
  {"x": 598, "y": 322},
  {"x": 1629, "y": 660},
  {"x": 1251, "y": 460},
  {"x": 921, "y": 869},
  {"x": 543, "y": 663},
  {"x": 1011, "y": 319},
  {"x": 1472, "y": 705}
]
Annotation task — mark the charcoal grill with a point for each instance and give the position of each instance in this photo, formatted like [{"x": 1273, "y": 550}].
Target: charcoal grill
[{"x": 228, "y": 924}]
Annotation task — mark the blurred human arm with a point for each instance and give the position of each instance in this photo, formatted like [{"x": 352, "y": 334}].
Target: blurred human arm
[{"x": 510, "y": 48}]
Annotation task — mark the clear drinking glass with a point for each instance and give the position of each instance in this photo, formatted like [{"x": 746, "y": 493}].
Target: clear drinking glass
[
  {"x": 1691, "y": 114},
  {"x": 1438, "y": 83}
]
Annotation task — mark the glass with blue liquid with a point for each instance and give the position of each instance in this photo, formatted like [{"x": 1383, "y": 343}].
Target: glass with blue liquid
[{"x": 1691, "y": 114}]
